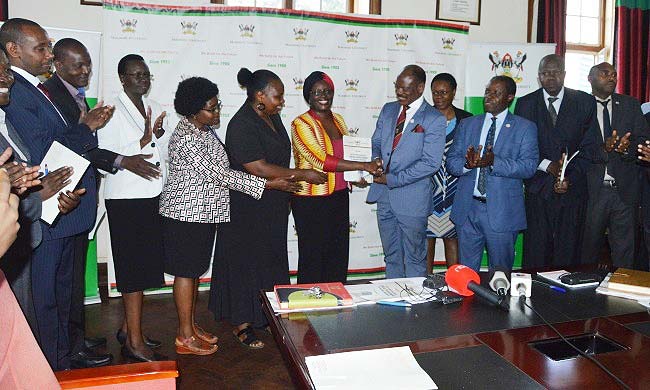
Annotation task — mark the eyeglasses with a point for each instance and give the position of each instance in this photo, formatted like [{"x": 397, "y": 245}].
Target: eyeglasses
[
  {"x": 440, "y": 93},
  {"x": 322, "y": 93},
  {"x": 140, "y": 76},
  {"x": 216, "y": 108}
]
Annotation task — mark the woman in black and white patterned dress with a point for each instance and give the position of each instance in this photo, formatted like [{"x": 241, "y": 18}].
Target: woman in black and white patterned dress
[{"x": 443, "y": 91}]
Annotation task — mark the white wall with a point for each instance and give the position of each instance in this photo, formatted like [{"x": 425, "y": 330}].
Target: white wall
[{"x": 501, "y": 20}]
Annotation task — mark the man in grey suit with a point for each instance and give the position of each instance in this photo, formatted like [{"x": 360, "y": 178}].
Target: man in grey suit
[
  {"x": 613, "y": 179},
  {"x": 410, "y": 139}
]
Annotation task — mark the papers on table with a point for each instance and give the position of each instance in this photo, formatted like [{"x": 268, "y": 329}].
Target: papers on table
[
  {"x": 356, "y": 149},
  {"x": 604, "y": 289},
  {"x": 56, "y": 157},
  {"x": 386, "y": 368}
]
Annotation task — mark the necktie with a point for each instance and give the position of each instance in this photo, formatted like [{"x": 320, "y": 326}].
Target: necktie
[
  {"x": 81, "y": 100},
  {"x": 551, "y": 109},
  {"x": 43, "y": 89},
  {"x": 399, "y": 128},
  {"x": 607, "y": 126},
  {"x": 482, "y": 174}
]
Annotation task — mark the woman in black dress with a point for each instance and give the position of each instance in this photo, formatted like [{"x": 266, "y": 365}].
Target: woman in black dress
[{"x": 251, "y": 252}]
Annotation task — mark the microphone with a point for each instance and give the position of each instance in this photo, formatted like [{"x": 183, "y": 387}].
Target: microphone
[
  {"x": 465, "y": 281},
  {"x": 500, "y": 283}
]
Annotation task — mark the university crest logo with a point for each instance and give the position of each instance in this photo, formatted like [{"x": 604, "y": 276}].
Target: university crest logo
[
  {"x": 189, "y": 28},
  {"x": 448, "y": 43},
  {"x": 352, "y": 36},
  {"x": 353, "y": 131},
  {"x": 507, "y": 66},
  {"x": 128, "y": 25},
  {"x": 298, "y": 82},
  {"x": 353, "y": 226},
  {"x": 300, "y": 33},
  {"x": 246, "y": 30},
  {"x": 401, "y": 39},
  {"x": 351, "y": 85}
]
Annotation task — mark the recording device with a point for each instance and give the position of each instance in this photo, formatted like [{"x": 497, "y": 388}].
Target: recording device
[
  {"x": 576, "y": 278},
  {"x": 521, "y": 284},
  {"x": 434, "y": 281},
  {"x": 465, "y": 281},
  {"x": 500, "y": 283},
  {"x": 447, "y": 297}
]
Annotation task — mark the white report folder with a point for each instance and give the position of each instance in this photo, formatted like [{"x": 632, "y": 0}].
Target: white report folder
[
  {"x": 356, "y": 149},
  {"x": 59, "y": 156}
]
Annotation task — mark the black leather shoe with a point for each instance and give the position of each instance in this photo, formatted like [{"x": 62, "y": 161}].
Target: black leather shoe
[
  {"x": 129, "y": 354},
  {"x": 94, "y": 342},
  {"x": 89, "y": 359},
  {"x": 151, "y": 343}
]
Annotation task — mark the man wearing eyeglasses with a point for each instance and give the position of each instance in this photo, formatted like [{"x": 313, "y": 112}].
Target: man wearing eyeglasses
[
  {"x": 410, "y": 139},
  {"x": 555, "y": 208}
]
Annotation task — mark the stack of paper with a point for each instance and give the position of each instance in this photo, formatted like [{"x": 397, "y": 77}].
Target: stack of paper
[
  {"x": 386, "y": 368},
  {"x": 643, "y": 299}
]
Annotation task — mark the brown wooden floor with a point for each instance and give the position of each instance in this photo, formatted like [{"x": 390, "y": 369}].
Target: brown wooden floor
[{"x": 233, "y": 366}]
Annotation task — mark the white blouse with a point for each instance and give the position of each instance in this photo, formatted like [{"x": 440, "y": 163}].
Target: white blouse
[{"x": 122, "y": 135}]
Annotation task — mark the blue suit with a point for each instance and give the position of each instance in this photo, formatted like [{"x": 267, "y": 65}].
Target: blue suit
[
  {"x": 406, "y": 200},
  {"x": 496, "y": 222},
  {"x": 38, "y": 123}
]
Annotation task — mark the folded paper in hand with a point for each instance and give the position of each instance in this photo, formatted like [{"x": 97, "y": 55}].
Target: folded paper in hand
[{"x": 59, "y": 156}]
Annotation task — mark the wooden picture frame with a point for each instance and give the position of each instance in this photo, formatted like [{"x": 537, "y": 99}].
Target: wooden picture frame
[
  {"x": 91, "y": 2},
  {"x": 468, "y": 11}
]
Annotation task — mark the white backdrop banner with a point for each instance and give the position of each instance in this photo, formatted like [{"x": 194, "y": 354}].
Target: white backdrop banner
[{"x": 362, "y": 54}]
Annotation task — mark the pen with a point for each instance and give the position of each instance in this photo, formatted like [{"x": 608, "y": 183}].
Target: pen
[
  {"x": 558, "y": 289},
  {"x": 394, "y": 303}
]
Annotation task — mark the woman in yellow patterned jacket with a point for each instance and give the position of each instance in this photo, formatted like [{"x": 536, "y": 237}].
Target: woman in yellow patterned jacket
[{"x": 321, "y": 211}]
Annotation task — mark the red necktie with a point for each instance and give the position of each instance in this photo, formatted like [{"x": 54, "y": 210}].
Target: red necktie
[
  {"x": 43, "y": 89},
  {"x": 399, "y": 128}
]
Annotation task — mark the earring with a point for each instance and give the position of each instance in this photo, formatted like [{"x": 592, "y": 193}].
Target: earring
[{"x": 260, "y": 106}]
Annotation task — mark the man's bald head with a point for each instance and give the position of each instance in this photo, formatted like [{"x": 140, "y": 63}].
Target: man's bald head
[
  {"x": 551, "y": 60},
  {"x": 602, "y": 78}
]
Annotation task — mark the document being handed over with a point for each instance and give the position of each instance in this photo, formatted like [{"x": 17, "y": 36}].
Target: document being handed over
[{"x": 357, "y": 149}]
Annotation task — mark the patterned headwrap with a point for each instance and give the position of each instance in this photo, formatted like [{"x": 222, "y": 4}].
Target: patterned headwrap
[{"x": 312, "y": 79}]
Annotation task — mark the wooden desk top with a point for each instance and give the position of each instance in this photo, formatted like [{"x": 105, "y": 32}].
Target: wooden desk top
[{"x": 461, "y": 332}]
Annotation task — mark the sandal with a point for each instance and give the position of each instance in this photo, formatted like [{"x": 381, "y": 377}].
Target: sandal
[
  {"x": 205, "y": 336},
  {"x": 251, "y": 341},
  {"x": 194, "y": 346}
]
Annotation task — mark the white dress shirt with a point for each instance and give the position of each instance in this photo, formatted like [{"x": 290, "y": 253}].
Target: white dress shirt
[
  {"x": 599, "y": 115},
  {"x": 413, "y": 108},
  {"x": 487, "y": 122},
  {"x": 5, "y": 134},
  {"x": 543, "y": 165},
  {"x": 122, "y": 135}
]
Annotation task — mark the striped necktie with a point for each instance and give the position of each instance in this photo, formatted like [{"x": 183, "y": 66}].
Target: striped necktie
[
  {"x": 489, "y": 140},
  {"x": 399, "y": 128}
]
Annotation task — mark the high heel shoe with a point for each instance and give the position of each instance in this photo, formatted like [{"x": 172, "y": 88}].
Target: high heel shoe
[
  {"x": 130, "y": 354},
  {"x": 151, "y": 343}
]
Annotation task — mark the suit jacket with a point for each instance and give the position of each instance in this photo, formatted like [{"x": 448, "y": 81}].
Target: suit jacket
[
  {"x": 416, "y": 158},
  {"x": 626, "y": 117},
  {"x": 575, "y": 129},
  {"x": 515, "y": 159},
  {"x": 99, "y": 158},
  {"x": 38, "y": 123}
]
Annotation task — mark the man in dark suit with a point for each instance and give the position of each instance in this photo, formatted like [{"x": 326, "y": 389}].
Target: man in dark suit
[
  {"x": 613, "y": 179},
  {"x": 488, "y": 208},
  {"x": 39, "y": 123},
  {"x": 555, "y": 209},
  {"x": 67, "y": 91}
]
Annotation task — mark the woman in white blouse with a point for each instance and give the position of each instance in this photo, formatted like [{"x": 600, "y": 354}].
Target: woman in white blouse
[
  {"x": 195, "y": 198},
  {"x": 132, "y": 201}
]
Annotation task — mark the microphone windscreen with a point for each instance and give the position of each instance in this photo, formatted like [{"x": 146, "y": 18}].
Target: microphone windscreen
[{"x": 458, "y": 277}]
